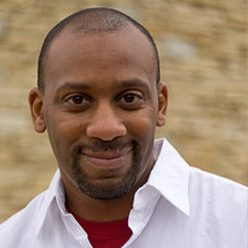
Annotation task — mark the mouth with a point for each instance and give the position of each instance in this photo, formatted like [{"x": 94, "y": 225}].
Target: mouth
[{"x": 107, "y": 159}]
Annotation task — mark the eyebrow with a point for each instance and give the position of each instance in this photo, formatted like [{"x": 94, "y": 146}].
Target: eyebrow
[
  {"x": 81, "y": 86},
  {"x": 73, "y": 86},
  {"x": 134, "y": 83}
]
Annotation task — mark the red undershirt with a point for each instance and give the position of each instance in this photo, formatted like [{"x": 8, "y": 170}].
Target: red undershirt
[{"x": 111, "y": 234}]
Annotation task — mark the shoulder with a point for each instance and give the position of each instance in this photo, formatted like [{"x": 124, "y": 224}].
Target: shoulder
[
  {"x": 20, "y": 228},
  {"x": 214, "y": 185},
  {"x": 220, "y": 197},
  {"x": 219, "y": 206}
]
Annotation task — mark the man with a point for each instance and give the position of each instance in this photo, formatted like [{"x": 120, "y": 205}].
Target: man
[{"x": 100, "y": 97}]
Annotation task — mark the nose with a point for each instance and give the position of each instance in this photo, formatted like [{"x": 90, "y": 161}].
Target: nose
[{"x": 105, "y": 124}]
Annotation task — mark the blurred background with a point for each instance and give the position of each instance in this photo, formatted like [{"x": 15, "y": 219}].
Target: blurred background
[{"x": 203, "y": 50}]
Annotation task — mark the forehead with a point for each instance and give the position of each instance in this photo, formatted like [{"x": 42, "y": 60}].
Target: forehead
[{"x": 96, "y": 53}]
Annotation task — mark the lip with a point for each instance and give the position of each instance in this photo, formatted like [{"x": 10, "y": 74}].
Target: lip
[{"x": 107, "y": 159}]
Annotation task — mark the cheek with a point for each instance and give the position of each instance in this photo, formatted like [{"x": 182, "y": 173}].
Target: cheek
[
  {"x": 143, "y": 125},
  {"x": 69, "y": 132},
  {"x": 63, "y": 133}
]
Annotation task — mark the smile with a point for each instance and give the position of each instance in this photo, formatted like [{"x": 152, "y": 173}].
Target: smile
[{"x": 107, "y": 159}]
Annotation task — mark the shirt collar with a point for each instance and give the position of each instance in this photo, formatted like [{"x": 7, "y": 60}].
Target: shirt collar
[
  {"x": 170, "y": 176},
  {"x": 54, "y": 191}
]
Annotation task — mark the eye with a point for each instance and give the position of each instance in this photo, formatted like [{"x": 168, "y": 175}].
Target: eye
[
  {"x": 132, "y": 100},
  {"x": 77, "y": 99},
  {"x": 77, "y": 102},
  {"x": 129, "y": 98}
]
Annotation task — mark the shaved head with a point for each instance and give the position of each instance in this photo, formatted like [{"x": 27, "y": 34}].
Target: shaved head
[{"x": 93, "y": 21}]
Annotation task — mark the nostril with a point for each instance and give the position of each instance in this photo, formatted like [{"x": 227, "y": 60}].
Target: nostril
[{"x": 106, "y": 130}]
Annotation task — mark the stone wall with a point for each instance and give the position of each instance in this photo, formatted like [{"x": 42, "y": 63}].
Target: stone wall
[{"x": 203, "y": 49}]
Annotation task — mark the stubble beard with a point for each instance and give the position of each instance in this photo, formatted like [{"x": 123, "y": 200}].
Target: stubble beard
[{"x": 107, "y": 189}]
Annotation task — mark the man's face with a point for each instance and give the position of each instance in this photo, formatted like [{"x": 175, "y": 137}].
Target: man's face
[{"x": 100, "y": 107}]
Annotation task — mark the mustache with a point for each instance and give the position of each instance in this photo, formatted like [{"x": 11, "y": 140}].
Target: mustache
[{"x": 103, "y": 146}]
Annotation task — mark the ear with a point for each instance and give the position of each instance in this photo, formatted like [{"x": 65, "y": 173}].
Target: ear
[
  {"x": 162, "y": 104},
  {"x": 36, "y": 108}
]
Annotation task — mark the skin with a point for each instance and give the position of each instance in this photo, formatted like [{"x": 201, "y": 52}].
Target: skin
[{"x": 100, "y": 98}]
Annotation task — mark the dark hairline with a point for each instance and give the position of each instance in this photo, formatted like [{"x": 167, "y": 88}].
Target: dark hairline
[{"x": 70, "y": 22}]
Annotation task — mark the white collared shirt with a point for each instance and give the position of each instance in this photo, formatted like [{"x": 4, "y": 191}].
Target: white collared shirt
[{"x": 179, "y": 207}]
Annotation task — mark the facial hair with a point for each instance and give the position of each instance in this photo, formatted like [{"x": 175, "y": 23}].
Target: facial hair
[{"x": 106, "y": 189}]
